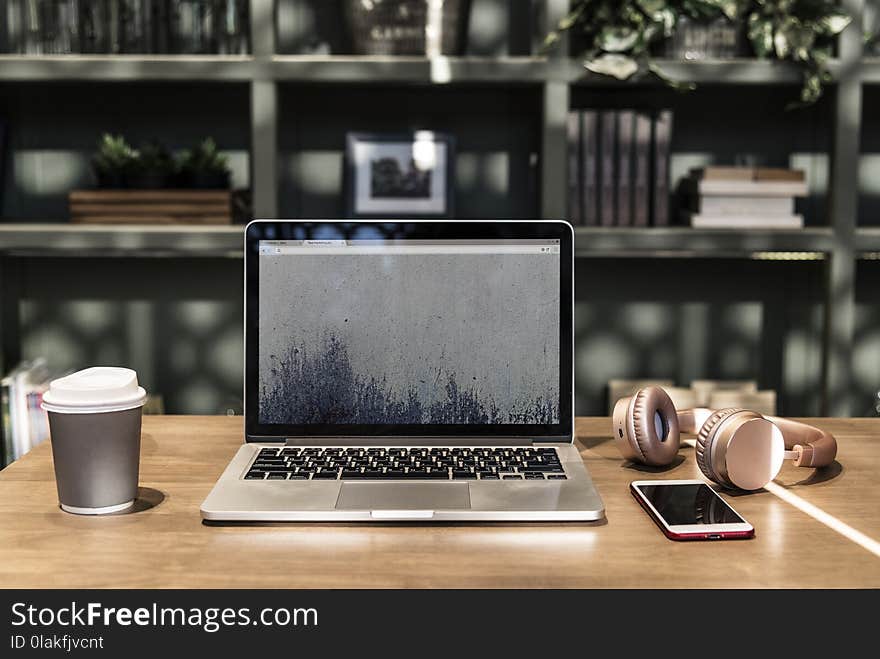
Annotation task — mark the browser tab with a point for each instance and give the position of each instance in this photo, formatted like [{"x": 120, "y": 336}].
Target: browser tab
[{"x": 324, "y": 243}]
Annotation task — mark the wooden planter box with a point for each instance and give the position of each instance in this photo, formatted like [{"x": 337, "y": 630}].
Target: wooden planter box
[{"x": 151, "y": 206}]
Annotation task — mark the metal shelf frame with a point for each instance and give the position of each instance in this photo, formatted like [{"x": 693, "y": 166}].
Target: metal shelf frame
[{"x": 840, "y": 244}]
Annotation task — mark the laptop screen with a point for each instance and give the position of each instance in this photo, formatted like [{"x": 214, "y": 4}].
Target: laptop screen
[{"x": 409, "y": 331}]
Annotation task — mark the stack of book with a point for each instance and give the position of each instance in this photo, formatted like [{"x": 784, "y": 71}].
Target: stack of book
[
  {"x": 61, "y": 27},
  {"x": 618, "y": 167},
  {"x": 24, "y": 423},
  {"x": 745, "y": 198}
]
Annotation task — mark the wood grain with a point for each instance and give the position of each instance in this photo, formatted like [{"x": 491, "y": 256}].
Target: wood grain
[
  {"x": 164, "y": 544},
  {"x": 171, "y": 206}
]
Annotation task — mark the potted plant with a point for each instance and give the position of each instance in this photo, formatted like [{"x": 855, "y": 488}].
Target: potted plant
[
  {"x": 408, "y": 27},
  {"x": 619, "y": 38},
  {"x": 153, "y": 168},
  {"x": 112, "y": 161},
  {"x": 799, "y": 31},
  {"x": 204, "y": 167}
]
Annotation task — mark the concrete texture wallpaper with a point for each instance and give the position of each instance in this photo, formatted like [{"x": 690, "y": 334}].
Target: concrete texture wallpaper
[{"x": 404, "y": 338}]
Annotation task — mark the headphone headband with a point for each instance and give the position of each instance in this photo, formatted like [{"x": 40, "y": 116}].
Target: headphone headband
[{"x": 813, "y": 446}]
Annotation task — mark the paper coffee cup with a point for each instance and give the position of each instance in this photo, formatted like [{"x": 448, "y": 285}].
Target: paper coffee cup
[{"x": 95, "y": 428}]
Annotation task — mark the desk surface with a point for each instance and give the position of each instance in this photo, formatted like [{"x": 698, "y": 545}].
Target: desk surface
[{"x": 163, "y": 543}]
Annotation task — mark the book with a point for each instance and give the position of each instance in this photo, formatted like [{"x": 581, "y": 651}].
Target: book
[
  {"x": 743, "y": 205},
  {"x": 6, "y": 449},
  {"x": 3, "y": 131},
  {"x": 624, "y": 173},
  {"x": 25, "y": 423},
  {"x": 778, "y": 174},
  {"x": 231, "y": 31},
  {"x": 590, "y": 167},
  {"x": 725, "y": 173},
  {"x": 751, "y": 188},
  {"x": 700, "y": 221},
  {"x": 607, "y": 148},
  {"x": 642, "y": 170},
  {"x": 14, "y": 27},
  {"x": 575, "y": 215},
  {"x": 662, "y": 143}
]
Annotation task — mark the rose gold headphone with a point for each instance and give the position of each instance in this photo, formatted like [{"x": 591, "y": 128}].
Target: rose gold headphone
[{"x": 735, "y": 448}]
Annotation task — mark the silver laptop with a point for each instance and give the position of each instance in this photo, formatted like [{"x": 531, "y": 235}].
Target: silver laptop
[{"x": 407, "y": 370}]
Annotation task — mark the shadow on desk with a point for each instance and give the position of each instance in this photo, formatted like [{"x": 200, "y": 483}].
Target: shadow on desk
[{"x": 147, "y": 499}]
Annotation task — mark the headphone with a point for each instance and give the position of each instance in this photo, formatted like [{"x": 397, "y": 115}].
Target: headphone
[{"x": 736, "y": 448}]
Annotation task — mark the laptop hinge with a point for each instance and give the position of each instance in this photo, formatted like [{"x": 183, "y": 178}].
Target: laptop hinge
[{"x": 409, "y": 441}]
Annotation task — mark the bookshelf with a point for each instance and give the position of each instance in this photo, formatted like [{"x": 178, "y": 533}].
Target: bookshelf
[
  {"x": 274, "y": 83},
  {"x": 176, "y": 241}
]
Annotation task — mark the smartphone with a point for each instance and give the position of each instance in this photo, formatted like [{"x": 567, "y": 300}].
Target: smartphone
[{"x": 690, "y": 510}]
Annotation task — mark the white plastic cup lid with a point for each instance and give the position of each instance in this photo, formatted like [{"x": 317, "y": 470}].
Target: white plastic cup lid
[{"x": 94, "y": 390}]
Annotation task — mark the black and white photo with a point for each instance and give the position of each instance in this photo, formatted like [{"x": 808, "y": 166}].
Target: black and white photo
[{"x": 399, "y": 175}]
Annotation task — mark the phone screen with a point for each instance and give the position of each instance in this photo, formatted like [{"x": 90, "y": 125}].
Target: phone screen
[{"x": 681, "y": 504}]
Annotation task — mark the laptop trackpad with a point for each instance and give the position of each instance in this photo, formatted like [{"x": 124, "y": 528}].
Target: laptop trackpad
[{"x": 404, "y": 496}]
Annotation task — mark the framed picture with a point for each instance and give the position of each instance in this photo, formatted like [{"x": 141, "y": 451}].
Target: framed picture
[{"x": 399, "y": 175}]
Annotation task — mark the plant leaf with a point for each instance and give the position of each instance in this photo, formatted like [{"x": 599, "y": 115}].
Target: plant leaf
[
  {"x": 761, "y": 35},
  {"x": 834, "y": 23},
  {"x": 651, "y": 7},
  {"x": 617, "y": 39},
  {"x": 614, "y": 65},
  {"x": 678, "y": 85},
  {"x": 572, "y": 17}
]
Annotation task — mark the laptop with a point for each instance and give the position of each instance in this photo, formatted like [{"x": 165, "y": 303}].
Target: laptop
[{"x": 409, "y": 371}]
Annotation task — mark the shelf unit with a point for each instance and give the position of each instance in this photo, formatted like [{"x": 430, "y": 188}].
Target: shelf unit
[
  {"x": 839, "y": 245},
  {"x": 227, "y": 241}
]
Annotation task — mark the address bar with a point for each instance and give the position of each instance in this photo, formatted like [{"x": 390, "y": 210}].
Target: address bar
[{"x": 383, "y": 250}]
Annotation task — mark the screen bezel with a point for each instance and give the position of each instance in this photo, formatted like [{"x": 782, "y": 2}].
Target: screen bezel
[
  {"x": 413, "y": 230},
  {"x": 729, "y": 529}
]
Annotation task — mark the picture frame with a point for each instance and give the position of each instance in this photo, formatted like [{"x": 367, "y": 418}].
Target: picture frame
[{"x": 399, "y": 175}]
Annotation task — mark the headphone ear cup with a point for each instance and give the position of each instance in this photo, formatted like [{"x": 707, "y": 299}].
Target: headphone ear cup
[
  {"x": 705, "y": 437},
  {"x": 704, "y": 443},
  {"x": 622, "y": 431},
  {"x": 654, "y": 425}
]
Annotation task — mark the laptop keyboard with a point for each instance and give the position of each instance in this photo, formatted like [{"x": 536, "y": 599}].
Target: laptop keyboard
[{"x": 496, "y": 464}]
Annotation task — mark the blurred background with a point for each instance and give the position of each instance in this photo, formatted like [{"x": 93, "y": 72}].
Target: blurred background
[{"x": 138, "y": 136}]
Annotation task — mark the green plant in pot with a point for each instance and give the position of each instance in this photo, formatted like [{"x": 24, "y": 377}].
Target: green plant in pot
[
  {"x": 618, "y": 39},
  {"x": 153, "y": 168},
  {"x": 205, "y": 167},
  {"x": 799, "y": 31},
  {"x": 112, "y": 161}
]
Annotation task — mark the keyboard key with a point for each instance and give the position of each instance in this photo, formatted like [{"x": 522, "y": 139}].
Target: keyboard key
[
  {"x": 299, "y": 477},
  {"x": 437, "y": 475},
  {"x": 488, "y": 477},
  {"x": 557, "y": 477},
  {"x": 325, "y": 475},
  {"x": 277, "y": 476},
  {"x": 509, "y": 477},
  {"x": 255, "y": 476},
  {"x": 532, "y": 476},
  {"x": 464, "y": 475}
]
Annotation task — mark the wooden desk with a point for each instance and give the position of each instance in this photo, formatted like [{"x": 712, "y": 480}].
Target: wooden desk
[{"x": 164, "y": 543}]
